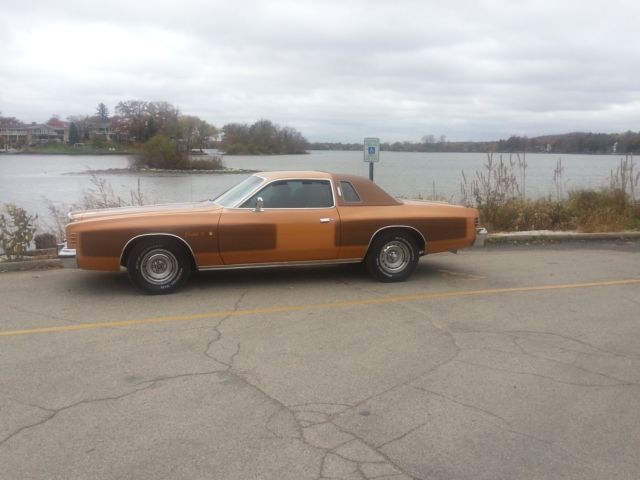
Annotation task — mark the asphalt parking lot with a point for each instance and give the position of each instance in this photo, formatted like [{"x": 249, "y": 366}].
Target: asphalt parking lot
[{"x": 497, "y": 363}]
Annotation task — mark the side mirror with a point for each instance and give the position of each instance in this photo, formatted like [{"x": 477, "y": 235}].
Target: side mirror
[{"x": 259, "y": 205}]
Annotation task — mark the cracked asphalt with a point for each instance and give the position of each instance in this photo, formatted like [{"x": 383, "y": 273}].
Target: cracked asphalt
[{"x": 499, "y": 363}]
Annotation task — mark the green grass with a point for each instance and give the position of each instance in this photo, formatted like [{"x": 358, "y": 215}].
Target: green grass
[{"x": 86, "y": 149}]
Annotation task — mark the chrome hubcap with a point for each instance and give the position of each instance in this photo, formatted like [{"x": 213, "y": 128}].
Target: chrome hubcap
[
  {"x": 159, "y": 267},
  {"x": 394, "y": 257}
]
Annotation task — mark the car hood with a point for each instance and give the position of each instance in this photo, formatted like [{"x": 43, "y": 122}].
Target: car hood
[{"x": 103, "y": 213}]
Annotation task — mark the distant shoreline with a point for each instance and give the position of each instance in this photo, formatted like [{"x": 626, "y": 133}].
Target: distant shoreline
[
  {"x": 104, "y": 154},
  {"x": 160, "y": 172},
  {"x": 2, "y": 152}
]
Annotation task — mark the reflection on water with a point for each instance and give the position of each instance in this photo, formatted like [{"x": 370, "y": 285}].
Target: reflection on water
[{"x": 28, "y": 179}]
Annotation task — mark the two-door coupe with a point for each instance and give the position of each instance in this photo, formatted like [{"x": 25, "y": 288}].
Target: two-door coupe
[{"x": 270, "y": 219}]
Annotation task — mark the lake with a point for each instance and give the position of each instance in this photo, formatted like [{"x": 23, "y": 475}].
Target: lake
[{"x": 28, "y": 180}]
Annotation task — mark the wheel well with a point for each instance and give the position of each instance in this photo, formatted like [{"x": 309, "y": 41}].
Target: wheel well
[
  {"x": 415, "y": 235},
  {"x": 124, "y": 257}
]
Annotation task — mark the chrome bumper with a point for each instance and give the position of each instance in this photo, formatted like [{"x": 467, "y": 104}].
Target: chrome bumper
[{"x": 481, "y": 235}]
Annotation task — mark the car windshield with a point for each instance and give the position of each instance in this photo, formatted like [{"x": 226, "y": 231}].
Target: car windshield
[{"x": 232, "y": 196}]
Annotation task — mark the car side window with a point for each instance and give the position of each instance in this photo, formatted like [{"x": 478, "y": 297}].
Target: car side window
[
  {"x": 349, "y": 193},
  {"x": 294, "y": 194}
]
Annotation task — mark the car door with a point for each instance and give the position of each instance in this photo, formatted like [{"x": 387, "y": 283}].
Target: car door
[{"x": 297, "y": 222}]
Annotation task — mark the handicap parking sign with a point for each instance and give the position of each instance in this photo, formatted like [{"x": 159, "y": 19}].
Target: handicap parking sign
[{"x": 371, "y": 150}]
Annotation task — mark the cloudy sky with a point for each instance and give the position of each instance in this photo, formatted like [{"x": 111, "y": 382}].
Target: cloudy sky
[{"x": 334, "y": 70}]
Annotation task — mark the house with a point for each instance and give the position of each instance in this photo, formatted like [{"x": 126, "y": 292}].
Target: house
[
  {"x": 23, "y": 134},
  {"x": 61, "y": 128},
  {"x": 98, "y": 127}
]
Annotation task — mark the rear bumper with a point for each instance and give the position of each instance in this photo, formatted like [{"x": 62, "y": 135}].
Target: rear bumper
[{"x": 65, "y": 252}]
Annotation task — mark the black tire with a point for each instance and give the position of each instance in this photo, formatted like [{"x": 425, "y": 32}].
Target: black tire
[
  {"x": 158, "y": 266},
  {"x": 392, "y": 257}
]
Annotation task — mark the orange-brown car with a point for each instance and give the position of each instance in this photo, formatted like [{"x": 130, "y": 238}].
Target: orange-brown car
[{"x": 270, "y": 219}]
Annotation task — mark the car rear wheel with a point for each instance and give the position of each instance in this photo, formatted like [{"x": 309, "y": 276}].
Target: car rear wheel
[
  {"x": 158, "y": 266},
  {"x": 392, "y": 257}
]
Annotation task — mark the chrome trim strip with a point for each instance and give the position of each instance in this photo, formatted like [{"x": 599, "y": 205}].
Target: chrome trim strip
[
  {"x": 301, "y": 263},
  {"x": 159, "y": 234},
  {"x": 398, "y": 226},
  {"x": 265, "y": 209}
]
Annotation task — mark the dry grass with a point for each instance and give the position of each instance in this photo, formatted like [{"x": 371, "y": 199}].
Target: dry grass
[
  {"x": 210, "y": 163},
  {"x": 100, "y": 194},
  {"x": 498, "y": 193}
]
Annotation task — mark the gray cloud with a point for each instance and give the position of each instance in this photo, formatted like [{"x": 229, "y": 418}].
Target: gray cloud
[{"x": 335, "y": 70}]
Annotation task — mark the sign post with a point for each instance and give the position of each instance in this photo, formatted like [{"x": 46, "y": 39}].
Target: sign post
[{"x": 371, "y": 153}]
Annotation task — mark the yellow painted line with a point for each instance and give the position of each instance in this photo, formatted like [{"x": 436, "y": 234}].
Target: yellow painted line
[{"x": 314, "y": 306}]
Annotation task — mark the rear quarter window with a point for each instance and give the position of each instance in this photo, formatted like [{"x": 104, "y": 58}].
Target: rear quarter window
[{"x": 349, "y": 193}]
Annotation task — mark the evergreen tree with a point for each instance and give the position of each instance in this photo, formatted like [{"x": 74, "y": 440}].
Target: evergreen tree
[
  {"x": 74, "y": 136},
  {"x": 102, "y": 112}
]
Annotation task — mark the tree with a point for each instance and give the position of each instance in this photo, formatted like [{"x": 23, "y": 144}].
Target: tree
[
  {"x": 9, "y": 121},
  {"x": 263, "y": 137},
  {"x": 133, "y": 119},
  {"x": 55, "y": 122},
  {"x": 102, "y": 112},
  {"x": 163, "y": 118},
  {"x": 74, "y": 136},
  {"x": 141, "y": 120},
  {"x": 83, "y": 123},
  {"x": 293, "y": 141},
  {"x": 194, "y": 132},
  {"x": 235, "y": 139}
]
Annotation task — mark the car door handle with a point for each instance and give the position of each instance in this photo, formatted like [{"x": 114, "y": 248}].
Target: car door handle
[{"x": 326, "y": 220}]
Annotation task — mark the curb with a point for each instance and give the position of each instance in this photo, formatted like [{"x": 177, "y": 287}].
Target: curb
[
  {"x": 24, "y": 265},
  {"x": 543, "y": 236}
]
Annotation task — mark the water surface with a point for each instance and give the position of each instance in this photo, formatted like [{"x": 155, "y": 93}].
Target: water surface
[{"x": 29, "y": 179}]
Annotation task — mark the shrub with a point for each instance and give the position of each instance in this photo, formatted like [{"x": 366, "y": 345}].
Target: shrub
[
  {"x": 16, "y": 231},
  {"x": 634, "y": 222},
  {"x": 100, "y": 195},
  {"x": 99, "y": 141},
  {"x": 213, "y": 163},
  {"x": 519, "y": 215},
  {"x": 58, "y": 218},
  {"x": 45, "y": 240},
  {"x": 161, "y": 152},
  {"x": 599, "y": 211}
]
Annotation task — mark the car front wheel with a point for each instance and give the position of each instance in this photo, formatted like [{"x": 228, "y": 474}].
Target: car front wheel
[
  {"x": 392, "y": 257},
  {"x": 158, "y": 266}
]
